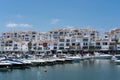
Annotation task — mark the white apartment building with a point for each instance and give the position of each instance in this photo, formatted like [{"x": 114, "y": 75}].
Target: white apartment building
[
  {"x": 112, "y": 35},
  {"x": 65, "y": 39},
  {"x": 21, "y": 35}
]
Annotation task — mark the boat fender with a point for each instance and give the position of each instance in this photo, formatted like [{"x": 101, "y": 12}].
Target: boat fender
[{"x": 7, "y": 67}]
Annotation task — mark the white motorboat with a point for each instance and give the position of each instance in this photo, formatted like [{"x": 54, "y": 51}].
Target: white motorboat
[
  {"x": 4, "y": 64},
  {"x": 15, "y": 63},
  {"x": 113, "y": 58},
  {"x": 50, "y": 61},
  {"x": 37, "y": 62},
  {"x": 75, "y": 58},
  {"x": 101, "y": 56},
  {"x": 60, "y": 60},
  {"x": 27, "y": 62},
  {"x": 117, "y": 61},
  {"x": 87, "y": 56}
]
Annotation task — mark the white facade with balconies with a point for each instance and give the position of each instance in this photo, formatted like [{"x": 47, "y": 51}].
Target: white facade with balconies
[{"x": 75, "y": 39}]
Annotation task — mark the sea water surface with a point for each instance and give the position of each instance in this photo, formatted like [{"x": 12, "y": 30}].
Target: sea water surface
[{"x": 84, "y": 70}]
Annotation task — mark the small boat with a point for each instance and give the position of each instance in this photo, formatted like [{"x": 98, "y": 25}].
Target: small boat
[
  {"x": 87, "y": 56},
  {"x": 101, "y": 56},
  {"x": 38, "y": 62},
  {"x": 16, "y": 64},
  {"x": 60, "y": 60},
  {"x": 49, "y": 61},
  {"x": 117, "y": 56},
  {"x": 68, "y": 60},
  {"x": 117, "y": 61},
  {"x": 113, "y": 58},
  {"x": 4, "y": 64},
  {"x": 105, "y": 56},
  {"x": 74, "y": 58}
]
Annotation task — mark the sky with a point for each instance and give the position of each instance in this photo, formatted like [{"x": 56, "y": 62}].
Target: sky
[{"x": 45, "y": 15}]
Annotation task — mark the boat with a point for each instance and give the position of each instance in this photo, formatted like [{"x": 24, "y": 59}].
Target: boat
[
  {"x": 38, "y": 62},
  {"x": 60, "y": 59},
  {"x": 113, "y": 58},
  {"x": 101, "y": 56},
  {"x": 50, "y": 61},
  {"x": 4, "y": 64},
  {"x": 117, "y": 62},
  {"x": 16, "y": 64},
  {"x": 75, "y": 58},
  {"x": 117, "y": 56},
  {"x": 68, "y": 60},
  {"x": 85, "y": 57},
  {"x": 27, "y": 62}
]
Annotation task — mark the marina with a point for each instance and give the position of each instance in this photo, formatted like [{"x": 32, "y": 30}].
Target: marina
[
  {"x": 52, "y": 60},
  {"x": 100, "y": 69}
]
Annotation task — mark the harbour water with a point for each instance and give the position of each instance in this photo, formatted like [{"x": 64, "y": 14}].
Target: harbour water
[{"x": 84, "y": 70}]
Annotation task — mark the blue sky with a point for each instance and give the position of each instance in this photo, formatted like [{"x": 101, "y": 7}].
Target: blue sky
[{"x": 44, "y": 15}]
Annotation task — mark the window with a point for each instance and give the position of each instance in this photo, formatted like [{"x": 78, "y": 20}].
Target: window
[
  {"x": 61, "y": 44},
  {"x": 34, "y": 44},
  {"x": 73, "y": 40},
  {"x": 106, "y": 36},
  {"x": 61, "y": 40},
  {"x": 34, "y": 48},
  {"x": 55, "y": 32},
  {"x": 26, "y": 35},
  {"x": 112, "y": 44},
  {"x": 55, "y": 44},
  {"x": 15, "y": 44},
  {"x": 55, "y": 37},
  {"x": 67, "y": 44},
  {"x": 15, "y": 34},
  {"x": 33, "y": 32},
  {"x": 8, "y": 36},
  {"x": 55, "y": 47},
  {"x": 61, "y": 47},
  {"x": 92, "y": 34},
  {"x": 26, "y": 39},
  {"x": 118, "y": 47},
  {"x": 40, "y": 44},
  {"x": 61, "y": 33},
  {"x": 39, "y": 48},
  {"x": 33, "y": 36},
  {"x": 85, "y": 44},
  {"x": 79, "y": 34},
  {"x": 104, "y": 43},
  {"x": 68, "y": 40},
  {"x": 73, "y": 44},
  {"x": 10, "y": 41},
  {"x": 85, "y": 40},
  {"x": 98, "y": 43}
]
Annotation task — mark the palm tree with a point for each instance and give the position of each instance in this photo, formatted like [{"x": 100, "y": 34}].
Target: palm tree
[
  {"x": 29, "y": 46},
  {"x": 116, "y": 42}
]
